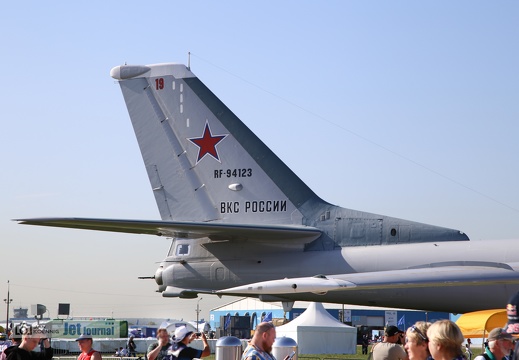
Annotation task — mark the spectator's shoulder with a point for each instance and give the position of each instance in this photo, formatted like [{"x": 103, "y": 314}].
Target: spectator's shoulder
[{"x": 153, "y": 346}]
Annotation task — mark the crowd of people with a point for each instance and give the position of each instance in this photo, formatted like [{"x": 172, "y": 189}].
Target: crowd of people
[
  {"x": 441, "y": 340},
  {"x": 259, "y": 347}
]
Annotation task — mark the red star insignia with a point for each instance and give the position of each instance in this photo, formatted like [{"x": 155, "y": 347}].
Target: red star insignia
[{"x": 207, "y": 144}]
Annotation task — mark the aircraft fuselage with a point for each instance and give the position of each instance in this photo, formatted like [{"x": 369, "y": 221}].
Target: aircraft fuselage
[{"x": 239, "y": 264}]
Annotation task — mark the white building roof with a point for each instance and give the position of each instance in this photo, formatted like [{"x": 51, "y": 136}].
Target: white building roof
[
  {"x": 245, "y": 304},
  {"x": 248, "y": 304}
]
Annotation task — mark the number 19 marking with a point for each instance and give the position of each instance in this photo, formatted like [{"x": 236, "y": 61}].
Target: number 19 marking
[{"x": 159, "y": 84}]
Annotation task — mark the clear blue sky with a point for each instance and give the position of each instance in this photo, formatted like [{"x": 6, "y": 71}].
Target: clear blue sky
[{"x": 403, "y": 108}]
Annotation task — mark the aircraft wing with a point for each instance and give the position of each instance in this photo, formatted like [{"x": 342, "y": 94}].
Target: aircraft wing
[
  {"x": 187, "y": 230},
  {"x": 435, "y": 275}
]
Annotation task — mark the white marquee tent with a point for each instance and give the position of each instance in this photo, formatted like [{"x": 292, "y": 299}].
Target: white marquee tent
[{"x": 317, "y": 332}]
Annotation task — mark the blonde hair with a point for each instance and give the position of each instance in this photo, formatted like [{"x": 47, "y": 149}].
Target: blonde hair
[
  {"x": 418, "y": 332},
  {"x": 448, "y": 335}
]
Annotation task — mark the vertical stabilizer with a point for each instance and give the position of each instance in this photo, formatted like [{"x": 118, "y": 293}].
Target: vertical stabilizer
[{"x": 204, "y": 164}]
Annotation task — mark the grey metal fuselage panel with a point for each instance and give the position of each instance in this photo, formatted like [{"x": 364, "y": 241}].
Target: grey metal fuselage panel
[{"x": 427, "y": 275}]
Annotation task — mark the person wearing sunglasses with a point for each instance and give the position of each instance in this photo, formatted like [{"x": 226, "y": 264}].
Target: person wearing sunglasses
[
  {"x": 416, "y": 342},
  {"x": 389, "y": 349}
]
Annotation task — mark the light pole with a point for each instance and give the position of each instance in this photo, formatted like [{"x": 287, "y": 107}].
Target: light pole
[
  {"x": 7, "y": 301},
  {"x": 197, "y": 312}
]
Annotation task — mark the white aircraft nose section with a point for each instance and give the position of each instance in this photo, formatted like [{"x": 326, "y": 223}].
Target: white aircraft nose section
[
  {"x": 128, "y": 71},
  {"x": 290, "y": 286}
]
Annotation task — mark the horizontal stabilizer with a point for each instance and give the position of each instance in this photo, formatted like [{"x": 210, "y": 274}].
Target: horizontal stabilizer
[{"x": 187, "y": 230}]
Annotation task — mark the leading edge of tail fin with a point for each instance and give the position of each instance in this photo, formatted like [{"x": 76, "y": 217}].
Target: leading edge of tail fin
[{"x": 205, "y": 164}]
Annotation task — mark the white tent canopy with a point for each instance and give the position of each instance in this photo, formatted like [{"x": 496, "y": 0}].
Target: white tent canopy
[{"x": 317, "y": 332}]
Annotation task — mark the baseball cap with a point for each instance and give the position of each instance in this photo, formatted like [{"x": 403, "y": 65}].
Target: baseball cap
[
  {"x": 512, "y": 327},
  {"x": 84, "y": 337},
  {"x": 499, "y": 334},
  {"x": 392, "y": 330},
  {"x": 181, "y": 332}
]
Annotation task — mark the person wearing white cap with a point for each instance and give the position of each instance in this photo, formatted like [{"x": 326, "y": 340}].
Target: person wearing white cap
[
  {"x": 84, "y": 342},
  {"x": 184, "y": 336}
]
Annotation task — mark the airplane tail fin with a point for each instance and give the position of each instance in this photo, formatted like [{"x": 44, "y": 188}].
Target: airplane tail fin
[{"x": 204, "y": 164}]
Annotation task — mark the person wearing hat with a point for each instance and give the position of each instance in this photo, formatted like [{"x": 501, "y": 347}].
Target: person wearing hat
[
  {"x": 84, "y": 343},
  {"x": 29, "y": 342},
  {"x": 159, "y": 350},
  {"x": 183, "y": 336},
  {"x": 389, "y": 349},
  {"x": 500, "y": 343}
]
